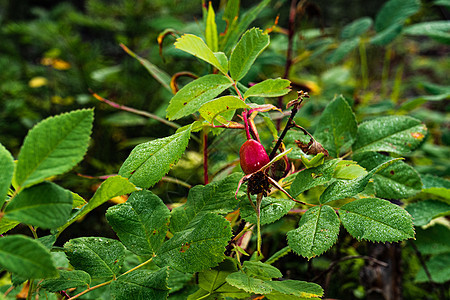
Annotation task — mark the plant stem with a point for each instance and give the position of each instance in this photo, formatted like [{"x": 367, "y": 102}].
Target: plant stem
[
  {"x": 258, "y": 223},
  {"x": 385, "y": 72},
  {"x": 205, "y": 156},
  {"x": 91, "y": 289},
  {"x": 288, "y": 125},
  {"x": 30, "y": 289},
  {"x": 138, "y": 266},
  {"x": 364, "y": 67},
  {"x": 136, "y": 111}
]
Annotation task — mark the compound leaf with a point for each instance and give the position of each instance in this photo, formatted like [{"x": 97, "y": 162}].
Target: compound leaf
[
  {"x": 54, "y": 146},
  {"x": 141, "y": 223},
  {"x": 149, "y": 162},
  {"x": 317, "y": 232},
  {"x": 376, "y": 220},
  {"x": 101, "y": 257}
]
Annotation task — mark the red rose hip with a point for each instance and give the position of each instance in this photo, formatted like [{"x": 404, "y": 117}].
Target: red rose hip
[{"x": 253, "y": 156}]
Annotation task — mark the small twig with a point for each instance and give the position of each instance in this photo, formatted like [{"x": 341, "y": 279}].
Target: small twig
[
  {"x": 290, "y": 122},
  {"x": 135, "y": 111},
  {"x": 90, "y": 289},
  {"x": 205, "y": 157},
  {"x": 334, "y": 263}
]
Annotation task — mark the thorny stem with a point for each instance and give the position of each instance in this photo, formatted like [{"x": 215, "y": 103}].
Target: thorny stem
[{"x": 289, "y": 123}]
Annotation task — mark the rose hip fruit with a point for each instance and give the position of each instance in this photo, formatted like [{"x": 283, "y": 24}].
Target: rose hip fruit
[{"x": 252, "y": 156}]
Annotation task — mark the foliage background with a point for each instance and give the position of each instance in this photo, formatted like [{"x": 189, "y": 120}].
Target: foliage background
[{"x": 53, "y": 54}]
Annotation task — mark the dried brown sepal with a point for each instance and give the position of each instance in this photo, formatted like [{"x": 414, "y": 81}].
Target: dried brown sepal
[
  {"x": 173, "y": 80},
  {"x": 259, "y": 183},
  {"x": 313, "y": 147}
]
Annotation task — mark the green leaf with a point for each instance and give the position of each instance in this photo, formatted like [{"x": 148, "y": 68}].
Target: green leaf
[
  {"x": 342, "y": 50},
  {"x": 196, "y": 46},
  {"x": 269, "y": 88},
  {"x": 223, "y": 60},
  {"x": 45, "y": 205},
  {"x": 348, "y": 169},
  {"x": 316, "y": 233},
  {"x": 110, "y": 188},
  {"x": 141, "y": 284},
  {"x": 54, "y": 146},
  {"x": 261, "y": 270},
  {"x": 439, "y": 268},
  {"x": 141, "y": 223},
  {"x": 67, "y": 280},
  {"x": 376, "y": 220},
  {"x": 396, "y": 134},
  {"x": 423, "y": 212},
  {"x": 356, "y": 28},
  {"x": 438, "y": 30},
  {"x": 341, "y": 189},
  {"x": 214, "y": 280},
  {"x": 6, "y": 174},
  {"x": 272, "y": 209},
  {"x": 101, "y": 257},
  {"x": 236, "y": 29},
  {"x": 199, "y": 246},
  {"x": 196, "y": 93},
  {"x": 387, "y": 35},
  {"x": 295, "y": 288},
  {"x": 211, "y": 30},
  {"x": 7, "y": 224},
  {"x": 398, "y": 181},
  {"x": 251, "y": 44},
  {"x": 395, "y": 12},
  {"x": 162, "y": 77},
  {"x": 216, "y": 197},
  {"x": 337, "y": 127},
  {"x": 433, "y": 240},
  {"x": 149, "y": 162},
  {"x": 249, "y": 284},
  {"x": 26, "y": 257},
  {"x": 313, "y": 177},
  {"x": 211, "y": 109},
  {"x": 436, "y": 186},
  {"x": 316, "y": 161}
]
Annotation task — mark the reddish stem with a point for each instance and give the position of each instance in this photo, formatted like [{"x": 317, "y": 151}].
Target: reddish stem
[
  {"x": 205, "y": 157},
  {"x": 247, "y": 129}
]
